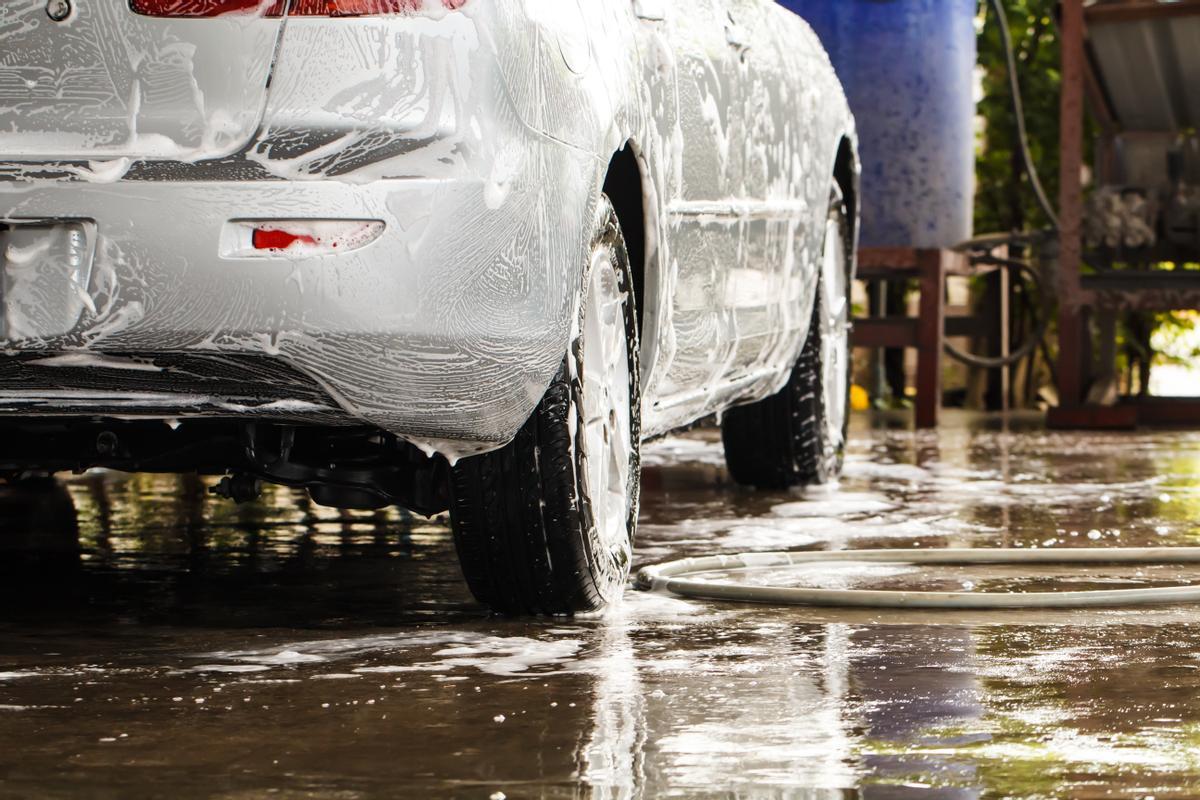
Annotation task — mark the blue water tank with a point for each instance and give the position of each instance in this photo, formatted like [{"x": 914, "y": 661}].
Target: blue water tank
[{"x": 908, "y": 70}]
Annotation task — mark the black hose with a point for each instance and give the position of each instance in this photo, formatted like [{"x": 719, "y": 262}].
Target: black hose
[{"x": 1040, "y": 326}]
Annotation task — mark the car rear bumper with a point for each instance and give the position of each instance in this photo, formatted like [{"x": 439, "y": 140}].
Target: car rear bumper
[{"x": 445, "y": 330}]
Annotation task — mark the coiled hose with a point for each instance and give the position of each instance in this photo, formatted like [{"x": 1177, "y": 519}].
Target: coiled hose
[
  {"x": 1041, "y": 323},
  {"x": 671, "y": 577}
]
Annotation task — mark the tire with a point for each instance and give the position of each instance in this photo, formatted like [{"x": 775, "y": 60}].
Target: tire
[
  {"x": 797, "y": 436},
  {"x": 533, "y": 533}
]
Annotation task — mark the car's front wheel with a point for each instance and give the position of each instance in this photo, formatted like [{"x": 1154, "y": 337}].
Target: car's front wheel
[
  {"x": 798, "y": 435},
  {"x": 545, "y": 525}
]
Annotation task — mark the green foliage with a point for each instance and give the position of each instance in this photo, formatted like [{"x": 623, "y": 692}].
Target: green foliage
[
  {"x": 1004, "y": 200},
  {"x": 1175, "y": 338}
]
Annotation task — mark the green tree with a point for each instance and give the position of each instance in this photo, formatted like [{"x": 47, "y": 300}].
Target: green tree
[{"x": 1004, "y": 200}]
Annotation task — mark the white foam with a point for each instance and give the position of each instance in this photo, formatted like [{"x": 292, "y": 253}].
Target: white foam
[
  {"x": 495, "y": 655},
  {"x": 871, "y": 470},
  {"x": 93, "y": 360},
  {"x": 836, "y": 505},
  {"x": 678, "y": 450}
]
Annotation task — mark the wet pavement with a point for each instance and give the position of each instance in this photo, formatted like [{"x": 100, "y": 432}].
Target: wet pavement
[{"x": 160, "y": 642}]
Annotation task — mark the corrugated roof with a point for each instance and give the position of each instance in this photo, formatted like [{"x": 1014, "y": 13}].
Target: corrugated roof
[{"x": 1147, "y": 57}]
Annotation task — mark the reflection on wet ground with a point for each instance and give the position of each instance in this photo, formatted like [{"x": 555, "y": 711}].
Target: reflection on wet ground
[{"x": 158, "y": 642}]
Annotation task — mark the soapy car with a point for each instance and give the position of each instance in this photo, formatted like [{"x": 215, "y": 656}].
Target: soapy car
[{"x": 460, "y": 255}]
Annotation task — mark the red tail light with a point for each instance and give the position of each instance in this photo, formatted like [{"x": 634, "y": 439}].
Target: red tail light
[
  {"x": 296, "y": 238},
  {"x": 365, "y": 8},
  {"x": 274, "y": 8},
  {"x": 264, "y": 239},
  {"x": 207, "y": 8}
]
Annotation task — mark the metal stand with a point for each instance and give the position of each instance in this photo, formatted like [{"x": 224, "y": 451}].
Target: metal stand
[
  {"x": 1084, "y": 298},
  {"x": 924, "y": 332}
]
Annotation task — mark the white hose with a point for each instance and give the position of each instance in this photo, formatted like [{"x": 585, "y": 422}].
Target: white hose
[{"x": 667, "y": 577}]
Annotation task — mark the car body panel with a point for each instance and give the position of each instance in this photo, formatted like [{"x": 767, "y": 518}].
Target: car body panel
[
  {"x": 107, "y": 83},
  {"x": 480, "y": 138}
]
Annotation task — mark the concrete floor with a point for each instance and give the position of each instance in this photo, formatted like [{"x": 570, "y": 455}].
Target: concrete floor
[{"x": 167, "y": 644}]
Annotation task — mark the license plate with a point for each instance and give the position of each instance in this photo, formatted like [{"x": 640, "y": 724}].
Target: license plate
[{"x": 46, "y": 266}]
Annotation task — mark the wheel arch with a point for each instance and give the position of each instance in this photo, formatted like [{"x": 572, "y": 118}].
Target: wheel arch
[
  {"x": 846, "y": 173},
  {"x": 630, "y": 191}
]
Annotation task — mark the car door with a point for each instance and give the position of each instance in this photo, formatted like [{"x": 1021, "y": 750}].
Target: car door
[
  {"x": 767, "y": 287},
  {"x": 695, "y": 349}
]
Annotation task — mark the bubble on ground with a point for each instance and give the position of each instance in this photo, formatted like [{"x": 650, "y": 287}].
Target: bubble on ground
[
  {"x": 836, "y": 505},
  {"x": 862, "y": 469},
  {"x": 678, "y": 450}
]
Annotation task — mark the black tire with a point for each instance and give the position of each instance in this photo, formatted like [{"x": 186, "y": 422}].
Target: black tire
[
  {"x": 785, "y": 440},
  {"x": 524, "y": 523}
]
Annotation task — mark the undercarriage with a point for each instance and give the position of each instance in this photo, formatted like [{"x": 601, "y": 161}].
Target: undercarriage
[{"x": 344, "y": 467}]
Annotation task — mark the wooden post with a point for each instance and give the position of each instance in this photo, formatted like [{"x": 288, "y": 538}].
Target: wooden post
[
  {"x": 1070, "y": 208},
  {"x": 931, "y": 325},
  {"x": 1006, "y": 372}
]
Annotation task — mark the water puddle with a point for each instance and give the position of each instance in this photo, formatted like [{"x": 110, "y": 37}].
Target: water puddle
[{"x": 161, "y": 642}]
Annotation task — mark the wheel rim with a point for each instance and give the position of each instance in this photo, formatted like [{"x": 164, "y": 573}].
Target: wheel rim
[
  {"x": 835, "y": 334},
  {"x": 607, "y": 443}
]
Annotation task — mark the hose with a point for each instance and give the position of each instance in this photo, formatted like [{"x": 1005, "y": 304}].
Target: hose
[
  {"x": 1043, "y": 319},
  {"x": 1018, "y": 103},
  {"x": 669, "y": 577},
  {"x": 1031, "y": 342}
]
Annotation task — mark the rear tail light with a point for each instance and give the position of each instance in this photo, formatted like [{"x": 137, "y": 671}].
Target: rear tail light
[
  {"x": 207, "y": 8},
  {"x": 274, "y": 239},
  {"x": 366, "y": 8},
  {"x": 298, "y": 8},
  {"x": 296, "y": 238}
]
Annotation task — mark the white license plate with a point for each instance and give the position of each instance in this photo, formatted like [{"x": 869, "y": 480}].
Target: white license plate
[{"x": 46, "y": 267}]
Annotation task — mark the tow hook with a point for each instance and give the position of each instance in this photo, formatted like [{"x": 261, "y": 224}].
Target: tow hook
[
  {"x": 239, "y": 487},
  {"x": 107, "y": 444}
]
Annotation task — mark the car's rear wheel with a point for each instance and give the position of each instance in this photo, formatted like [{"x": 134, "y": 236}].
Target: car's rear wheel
[
  {"x": 798, "y": 435},
  {"x": 545, "y": 525}
]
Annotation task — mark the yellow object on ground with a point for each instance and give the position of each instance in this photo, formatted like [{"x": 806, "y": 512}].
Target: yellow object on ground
[{"x": 859, "y": 399}]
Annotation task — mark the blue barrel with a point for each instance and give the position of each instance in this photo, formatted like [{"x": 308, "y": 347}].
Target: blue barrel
[{"x": 908, "y": 70}]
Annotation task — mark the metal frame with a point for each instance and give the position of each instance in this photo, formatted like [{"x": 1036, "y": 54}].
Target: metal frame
[
  {"x": 1081, "y": 297},
  {"x": 927, "y": 331}
]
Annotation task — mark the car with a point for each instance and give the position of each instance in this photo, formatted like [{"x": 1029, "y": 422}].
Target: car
[{"x": 451, "y": 255}]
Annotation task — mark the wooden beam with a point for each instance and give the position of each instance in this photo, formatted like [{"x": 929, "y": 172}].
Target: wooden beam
[
  {"x": 1113, "y": 418},
  {"x": 1070, "y": 329},
  {"x": 885, "y": 332},
  {"x": 887, "y": 258},
  {"x": 931, "y": 327},
  {"x": 1166, "y": 412},
  {"x": 1135, "y": 10}
]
